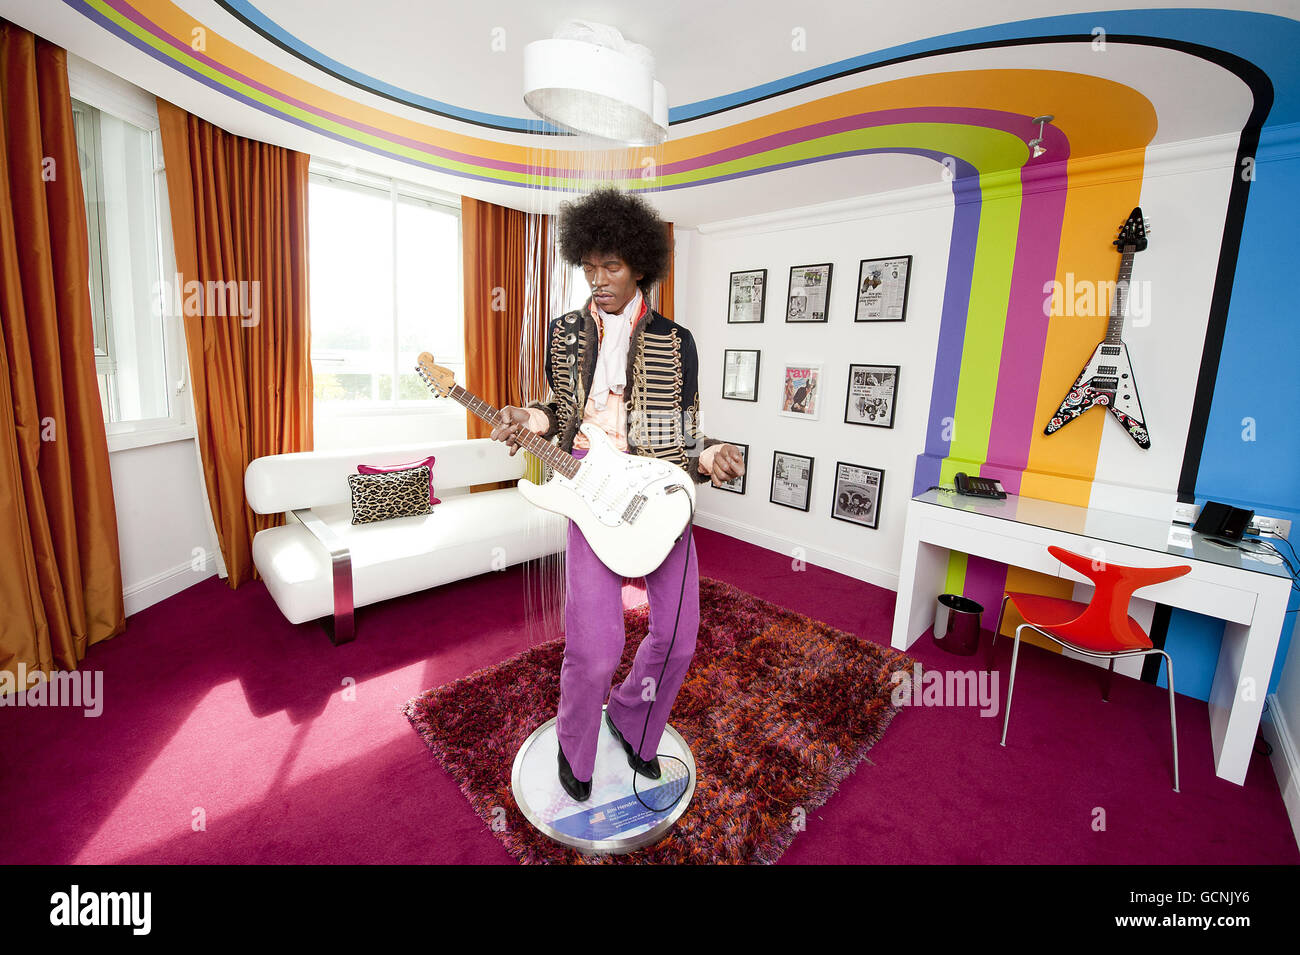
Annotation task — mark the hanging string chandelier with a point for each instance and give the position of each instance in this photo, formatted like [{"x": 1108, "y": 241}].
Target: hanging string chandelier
[{"x": 588, "y": 79}]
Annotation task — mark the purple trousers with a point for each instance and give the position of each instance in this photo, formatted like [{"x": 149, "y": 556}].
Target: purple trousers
[{"x": 593, "y": 645}]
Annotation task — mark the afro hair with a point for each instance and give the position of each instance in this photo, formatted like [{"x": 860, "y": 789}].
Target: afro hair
[{"x": 625, "y": 224}]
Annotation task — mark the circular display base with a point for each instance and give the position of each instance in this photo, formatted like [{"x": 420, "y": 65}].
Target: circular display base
[{"x": 612, "y": 820}]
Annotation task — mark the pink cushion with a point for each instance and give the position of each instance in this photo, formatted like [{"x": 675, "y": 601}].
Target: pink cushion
[{"x": 388, "y": 469}]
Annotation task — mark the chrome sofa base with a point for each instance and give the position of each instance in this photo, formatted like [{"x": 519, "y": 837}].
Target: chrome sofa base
[{"x": 341, "y": 628}]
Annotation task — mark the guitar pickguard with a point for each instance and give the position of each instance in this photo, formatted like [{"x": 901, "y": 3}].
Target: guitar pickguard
[
  {"x": 1107, "y": 382},
  {"x": 1082, "y": 396}
]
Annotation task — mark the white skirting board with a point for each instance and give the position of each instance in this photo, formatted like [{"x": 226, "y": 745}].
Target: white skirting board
[
  {"x": 812, "y": 555},
  {"x": 1285, "y": 759},
  {"x": 159, "y": 587}
]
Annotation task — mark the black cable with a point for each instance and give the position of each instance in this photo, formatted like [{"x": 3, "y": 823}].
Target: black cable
[
  {"x": 1289, "y": 547},
  {"x": 686, "y": 566},
  {"x": 1291, "y": 569}
]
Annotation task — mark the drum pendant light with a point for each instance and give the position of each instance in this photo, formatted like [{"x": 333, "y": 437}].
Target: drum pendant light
[{"x": 588, "y": 79}]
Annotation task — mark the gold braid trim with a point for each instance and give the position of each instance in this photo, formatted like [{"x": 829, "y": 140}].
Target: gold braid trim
[{"x": 657, "y": 398}]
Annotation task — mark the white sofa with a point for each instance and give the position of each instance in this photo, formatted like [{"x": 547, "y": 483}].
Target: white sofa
[{"x": 320, "y": 564}]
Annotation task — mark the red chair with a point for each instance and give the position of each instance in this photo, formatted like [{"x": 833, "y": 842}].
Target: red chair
[{"x": 1099, "y": 628}]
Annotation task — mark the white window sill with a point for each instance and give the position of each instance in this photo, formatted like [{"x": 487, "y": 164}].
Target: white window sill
[{"x": 126, "y": 440}]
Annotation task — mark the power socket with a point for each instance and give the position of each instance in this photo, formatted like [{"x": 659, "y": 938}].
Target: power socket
[{"x": 1272, "y": 526}]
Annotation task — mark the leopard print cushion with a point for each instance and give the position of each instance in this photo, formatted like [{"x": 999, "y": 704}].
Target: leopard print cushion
[{"x": 382, "y": 497}]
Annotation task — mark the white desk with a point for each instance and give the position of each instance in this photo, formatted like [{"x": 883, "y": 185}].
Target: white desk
[{"x": 1248, "y": 593}]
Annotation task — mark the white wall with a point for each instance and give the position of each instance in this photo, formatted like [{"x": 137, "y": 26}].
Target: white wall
[
  {"x": 868, "y": 230},
  {"x": 161, "y": 520}
]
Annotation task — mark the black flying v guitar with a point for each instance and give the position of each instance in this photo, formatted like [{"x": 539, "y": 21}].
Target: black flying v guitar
[{"x": 1107, "y": 379}]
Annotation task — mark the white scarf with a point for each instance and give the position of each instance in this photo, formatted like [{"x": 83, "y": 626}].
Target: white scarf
[{"x": 611, "y": 363}]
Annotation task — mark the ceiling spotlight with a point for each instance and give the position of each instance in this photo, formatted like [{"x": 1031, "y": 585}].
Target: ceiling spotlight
[{"x": 1036, "y": 145}]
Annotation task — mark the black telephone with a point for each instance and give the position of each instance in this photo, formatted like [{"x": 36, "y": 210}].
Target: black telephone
[{"x": 979, "y": 487}]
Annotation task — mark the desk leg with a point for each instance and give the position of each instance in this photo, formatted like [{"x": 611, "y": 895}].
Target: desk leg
[
  {"x": 920, "y": 581},
  {"x": 1241, "y": 683}
]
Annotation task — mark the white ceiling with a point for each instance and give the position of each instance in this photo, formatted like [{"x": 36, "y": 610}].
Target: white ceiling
[
  {"x": 444, "y": 51},
  {"x": 702, "y": 48}
]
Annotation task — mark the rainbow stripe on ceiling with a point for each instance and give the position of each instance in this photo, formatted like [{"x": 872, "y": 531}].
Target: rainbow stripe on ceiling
[
  {"x": 1000, "y": 259},
  {"x": 1012, "y": 234}
]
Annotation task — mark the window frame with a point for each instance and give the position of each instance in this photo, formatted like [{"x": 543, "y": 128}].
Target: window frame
[
  {"x": 101, "y": 90},
  {"x": 328, "y": 171}
]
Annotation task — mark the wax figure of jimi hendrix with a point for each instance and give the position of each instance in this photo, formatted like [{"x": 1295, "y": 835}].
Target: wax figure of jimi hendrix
[{"x": 635, "y": 371}]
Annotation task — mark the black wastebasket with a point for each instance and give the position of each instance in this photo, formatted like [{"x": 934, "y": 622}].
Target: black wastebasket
[{"x": 957, "y": 624}]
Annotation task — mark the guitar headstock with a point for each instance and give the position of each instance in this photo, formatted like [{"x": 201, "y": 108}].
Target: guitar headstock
[
  {"x": 1133, "y": 233},
  {"x": 440, "y": 380}
]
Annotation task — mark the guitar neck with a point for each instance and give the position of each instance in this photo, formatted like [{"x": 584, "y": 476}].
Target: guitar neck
[
  {"x": 559, "y": 459},
  {"x": 1119, "y": 305}
]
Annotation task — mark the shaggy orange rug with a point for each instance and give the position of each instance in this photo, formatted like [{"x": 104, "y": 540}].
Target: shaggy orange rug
[{"x": 777, "y": 709}]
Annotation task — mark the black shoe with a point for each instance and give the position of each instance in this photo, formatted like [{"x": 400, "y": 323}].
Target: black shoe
[
  {"x": 649, "y": 768},
  {"x": 575, "y": 787}
]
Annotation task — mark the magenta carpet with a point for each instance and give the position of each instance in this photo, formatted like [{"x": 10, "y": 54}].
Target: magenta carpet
[{"x": 229, "y": 736}]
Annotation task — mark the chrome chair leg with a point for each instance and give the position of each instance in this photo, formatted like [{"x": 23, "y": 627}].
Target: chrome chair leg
[
  {"x": 1011, "y": 683},
  {"x": 988, "y": 665},
  {"x": 1173, "y": 720},
  {"x": 1110, "y": 675}
]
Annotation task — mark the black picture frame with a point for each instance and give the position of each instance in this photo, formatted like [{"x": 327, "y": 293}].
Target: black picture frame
[
  {"x": 758, "y": 361},
  {"x": 884, "y": 262},
  {"x": 862, "y": 412},
  {"x": 744, "y": 452},
  {"x": 807, "y": 495},
  {"x": 842, "y": 508},
  {"x": 790, "y": 296},
  {"x": 762, "y": 301}
]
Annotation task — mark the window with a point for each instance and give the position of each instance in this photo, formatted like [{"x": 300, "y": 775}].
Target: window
[
  {"x": 385, "y": 286},
  {"x": 138, "y": 353},
  {"x": 579, "y": 290}
]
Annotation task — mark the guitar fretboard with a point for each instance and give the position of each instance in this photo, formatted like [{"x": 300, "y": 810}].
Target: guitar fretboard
[
  {"x": 1119, "y": 305},
  {"x": 559, "y": 459}
]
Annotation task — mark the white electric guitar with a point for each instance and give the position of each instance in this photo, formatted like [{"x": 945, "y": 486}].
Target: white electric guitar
[
  {"x": 632, "y": 509},
  {"x": 1107, "y": 380}
]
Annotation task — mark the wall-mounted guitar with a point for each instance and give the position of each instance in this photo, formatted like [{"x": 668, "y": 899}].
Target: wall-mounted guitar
[
  {"x": 631, "y": 508},
  {"x": 1107, "y": 380}
]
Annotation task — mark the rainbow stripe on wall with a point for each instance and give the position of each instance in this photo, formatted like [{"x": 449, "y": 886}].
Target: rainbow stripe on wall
[{"x": 1019, "y": 223}]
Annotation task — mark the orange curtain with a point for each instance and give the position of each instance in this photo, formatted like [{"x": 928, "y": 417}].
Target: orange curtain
[
  {"x": 664, "y": 290},
  {"x": 60, "y": 575},
  {"x": 239, "y": 215},
  {"x": 496, "y": 245}
]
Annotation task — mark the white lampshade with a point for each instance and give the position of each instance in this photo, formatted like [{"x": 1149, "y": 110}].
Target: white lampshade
[{"x": 587, "y": 88}]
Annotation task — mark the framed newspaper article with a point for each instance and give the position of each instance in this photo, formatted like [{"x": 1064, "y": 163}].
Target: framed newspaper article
[
  {"x": 737, "y": 484},
  {"x": 810, "y": 293},
  {"x": 882, "y": 289},
  {"x": 747, "y": 291},
  {"x": 801, "y": 391},
  {"x": 873, "y": 391},
  {"x": 791, "y": 480},
  {"x": 857, "y": 494},
  {"x": 740, "y": 374}
]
